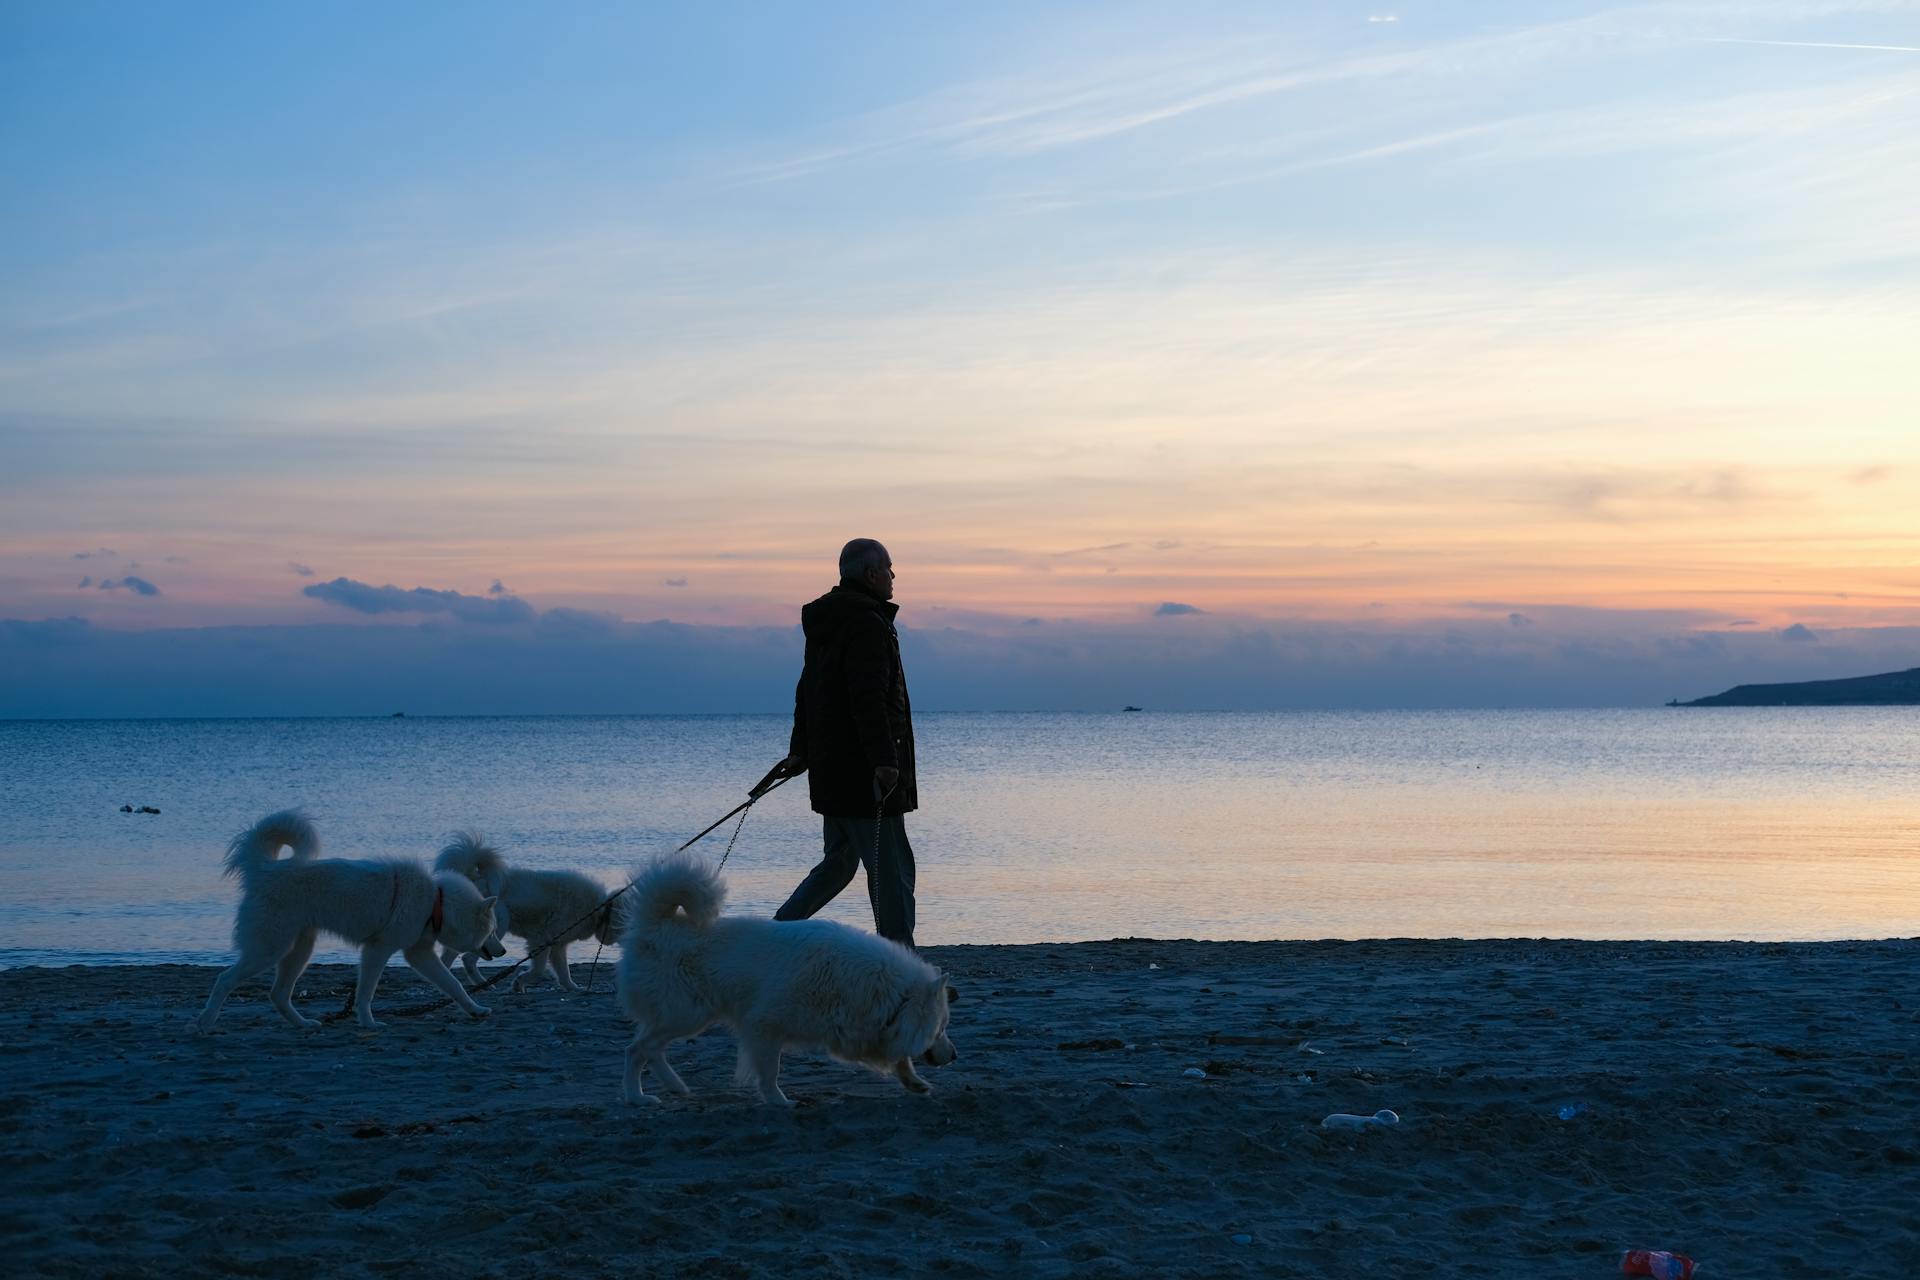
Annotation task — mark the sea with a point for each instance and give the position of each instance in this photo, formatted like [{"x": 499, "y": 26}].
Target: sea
[{"x": 1658, "y": 823}]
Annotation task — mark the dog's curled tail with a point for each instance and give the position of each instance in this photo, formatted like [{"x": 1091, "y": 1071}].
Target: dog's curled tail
[
  {"x": 259, "y": 845},
  {"x": 468, "y": 853},
  {"x": 672, "y": 884}
]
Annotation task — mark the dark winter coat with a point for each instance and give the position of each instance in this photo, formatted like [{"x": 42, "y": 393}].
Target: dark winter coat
[{"x": 850, "y": 710}]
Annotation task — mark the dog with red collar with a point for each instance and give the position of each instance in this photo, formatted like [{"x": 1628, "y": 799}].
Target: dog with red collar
[
  {"x": 777, "y": 985},
  {"x": 383, "y": 907}
]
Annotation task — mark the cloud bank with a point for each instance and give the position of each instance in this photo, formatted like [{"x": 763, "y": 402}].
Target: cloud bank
[{"x": 565, "y": 661}]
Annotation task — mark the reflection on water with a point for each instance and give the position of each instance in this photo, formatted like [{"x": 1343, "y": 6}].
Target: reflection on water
[{"x": 1725, "y": 823}]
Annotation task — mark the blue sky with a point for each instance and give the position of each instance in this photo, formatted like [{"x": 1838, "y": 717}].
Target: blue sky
[{"x": 1329, "y": 321}]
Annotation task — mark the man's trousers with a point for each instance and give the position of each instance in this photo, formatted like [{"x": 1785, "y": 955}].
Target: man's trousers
[{"x": 849, "y": 845}]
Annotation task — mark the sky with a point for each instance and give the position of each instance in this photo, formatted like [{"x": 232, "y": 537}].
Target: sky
[{"x": 1195, "y": 355}]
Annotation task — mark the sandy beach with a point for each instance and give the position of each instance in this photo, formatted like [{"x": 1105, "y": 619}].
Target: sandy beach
[{"x": 1752, "y": 1105}]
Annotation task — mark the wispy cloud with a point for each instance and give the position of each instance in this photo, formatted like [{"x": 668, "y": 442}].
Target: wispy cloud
[
  {"x": 138, "y": 586},
  {"x": 1810, "y": 44},
  {"x": 1073, "y": 103}
]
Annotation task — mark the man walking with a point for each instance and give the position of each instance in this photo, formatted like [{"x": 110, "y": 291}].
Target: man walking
[{"x": 853, "y": 736}]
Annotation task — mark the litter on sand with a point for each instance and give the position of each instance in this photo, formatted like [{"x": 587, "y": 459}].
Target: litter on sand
[
  {"x": 1378, "y": 1120},
  {"x": 1657, "y": 1263}
]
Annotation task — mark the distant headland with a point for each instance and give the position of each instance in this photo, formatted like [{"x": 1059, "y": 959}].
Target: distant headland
[{"x": 1894, "y": 689}]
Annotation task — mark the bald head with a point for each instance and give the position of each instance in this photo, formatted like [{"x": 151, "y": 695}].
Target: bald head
[
  {"x": 865, "y": 563},
  {"x": 861, "y": 555}
]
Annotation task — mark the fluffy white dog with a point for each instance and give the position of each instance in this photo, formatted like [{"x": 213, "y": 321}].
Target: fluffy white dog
[
  {"x": 386, "y": 906},
  {"x": 552, "y": 907},
  {"x": 802, "y": 984}
]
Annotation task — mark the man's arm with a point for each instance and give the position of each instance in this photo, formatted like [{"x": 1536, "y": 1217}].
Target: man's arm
[
  {"x": 796, "y": 762},
  {"x": 869, "y": 666},
  {"x": 797, "y": 742}
]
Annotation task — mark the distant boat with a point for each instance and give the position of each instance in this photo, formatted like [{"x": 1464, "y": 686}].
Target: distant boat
[
  {"x": 399, "y": 715},
  {"x": 1130, "y": 708}
]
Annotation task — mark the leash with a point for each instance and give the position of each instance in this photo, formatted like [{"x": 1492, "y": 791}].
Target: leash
[
  {"x": 593, "y": 970},
  {"x": 766, "y": 785}
]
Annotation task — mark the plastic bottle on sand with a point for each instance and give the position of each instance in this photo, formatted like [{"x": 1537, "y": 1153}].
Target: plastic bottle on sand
[
  {"x": 1341, "y": 1120},
  {"x": 1657, "y": 1263}
]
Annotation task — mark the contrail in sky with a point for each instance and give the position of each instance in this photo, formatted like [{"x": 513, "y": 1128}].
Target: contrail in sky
[{"x": 1809, "y": 44}]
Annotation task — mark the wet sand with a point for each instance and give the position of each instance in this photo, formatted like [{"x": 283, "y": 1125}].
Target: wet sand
[{"x": 1754, "y": 1105}]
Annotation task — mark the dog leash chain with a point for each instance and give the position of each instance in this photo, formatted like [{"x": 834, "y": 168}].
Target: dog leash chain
[{"x": 736, "y": 835}]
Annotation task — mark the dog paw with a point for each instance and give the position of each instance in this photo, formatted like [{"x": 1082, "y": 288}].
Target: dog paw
[
  {"x": 642, "y": 1100},
  {"x": 479, "y": 1011},
  {"x": 917, "y": 1086}
]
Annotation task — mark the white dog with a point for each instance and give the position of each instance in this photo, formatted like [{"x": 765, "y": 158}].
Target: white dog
[
  {"x": 803, "y": 984},
  {"x": 387, "y": 906},
  {"x": 544, "y": 907}
]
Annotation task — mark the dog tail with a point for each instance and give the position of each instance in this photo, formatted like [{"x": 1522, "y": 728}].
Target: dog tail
[
  {"x": 672, "y": 884},
  {"x": 259, "y": 845},
  {"x": 468, "y": 853}
]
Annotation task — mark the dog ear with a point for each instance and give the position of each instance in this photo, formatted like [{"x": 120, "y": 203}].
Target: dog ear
[{"x": 488, "y": 903}]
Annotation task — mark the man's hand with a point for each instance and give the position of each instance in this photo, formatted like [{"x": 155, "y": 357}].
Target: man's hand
[
  {"x": 885, "y": 779},
  {"x": 791, "y": 767}
]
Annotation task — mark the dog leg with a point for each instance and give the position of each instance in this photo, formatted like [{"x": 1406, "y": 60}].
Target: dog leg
[
  {"x": 762, "y": 1061},
  {"x": 292, "y": 965},
  {"x": 903, "y": 1072},
  {"x": 562, "y": 973},
  {"x": 249, "y": 963},
  {"x": 466, "y": 962},
  {"x": 429, "y": 966},
  {"x": 373, "y": 962},
  {"x": 535, "y": 971},
  {"x": 637, "y": 1057},
  {"x": 668, "y": 1076}
]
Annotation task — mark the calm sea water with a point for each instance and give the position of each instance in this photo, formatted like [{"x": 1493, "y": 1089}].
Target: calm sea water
[{"x": 1727, "y": 823}]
